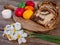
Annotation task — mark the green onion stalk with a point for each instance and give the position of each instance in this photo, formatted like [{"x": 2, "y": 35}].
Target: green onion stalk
[{"x": 50, "y": 38}]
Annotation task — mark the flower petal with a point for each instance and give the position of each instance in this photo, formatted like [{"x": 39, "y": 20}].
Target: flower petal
[
  {"x": 8, "y": 27},
  {"x": 11, "y": 28},
  {"x": 15, "y": 37},
  {"x": 10, "y": 32},
  {"x": 23, "y": 40},
  {"x": 9, "y": 37},
  {"x": 20, "y": 32},
  {"x": 24, "y": 35},
  {"x": 17, "y": 26},
  {"x": 19, "y": 41},
  {"x": 6, "y": 32}
]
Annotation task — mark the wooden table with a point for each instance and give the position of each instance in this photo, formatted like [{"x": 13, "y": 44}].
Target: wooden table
[{"x": 30, "y": 41}]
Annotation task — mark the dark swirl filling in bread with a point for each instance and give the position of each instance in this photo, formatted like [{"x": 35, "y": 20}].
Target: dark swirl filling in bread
[{"x": 46, "y": 15}]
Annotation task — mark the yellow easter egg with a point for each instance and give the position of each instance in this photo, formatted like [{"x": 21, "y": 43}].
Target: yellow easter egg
[{"x": 27, "y": 14}]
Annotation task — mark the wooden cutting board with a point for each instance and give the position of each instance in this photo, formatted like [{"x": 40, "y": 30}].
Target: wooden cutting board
[
  {"x": 30, "y": 41},
  {"x": 29, "y": 24}
]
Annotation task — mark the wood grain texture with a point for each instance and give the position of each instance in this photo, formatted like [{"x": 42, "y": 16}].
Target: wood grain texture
[
  {"x": 30, "y": 41},
  {"x": 29, "y": 25}
]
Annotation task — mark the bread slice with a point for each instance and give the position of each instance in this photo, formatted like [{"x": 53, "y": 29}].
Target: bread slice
[{"x": 46, "y": 15}]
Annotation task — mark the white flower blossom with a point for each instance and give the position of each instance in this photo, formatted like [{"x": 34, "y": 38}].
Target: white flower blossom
[
  {"x": 14, "y": 32},
  {"x": 21, "y": 36}
]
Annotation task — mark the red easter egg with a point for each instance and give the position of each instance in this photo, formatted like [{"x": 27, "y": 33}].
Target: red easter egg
[
  {"x": 19, "y": 12},
  {"x": 30, "y": 3}
]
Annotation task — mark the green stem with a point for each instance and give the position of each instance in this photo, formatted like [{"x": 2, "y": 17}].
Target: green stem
[{"x": 50, "y": 38}]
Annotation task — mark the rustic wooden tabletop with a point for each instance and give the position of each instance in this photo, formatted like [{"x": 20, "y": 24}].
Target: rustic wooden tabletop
[{"x": 30, "y": 41}]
